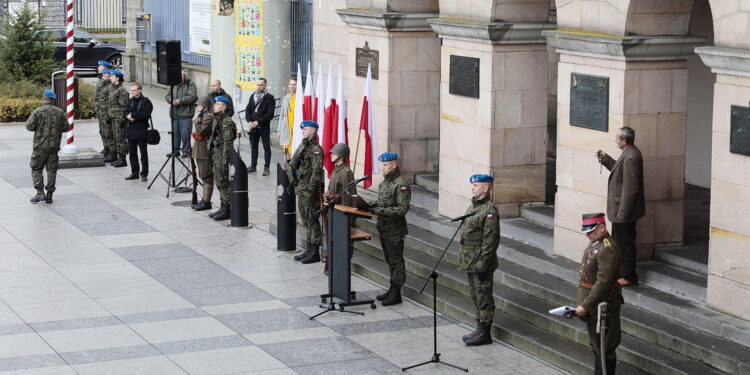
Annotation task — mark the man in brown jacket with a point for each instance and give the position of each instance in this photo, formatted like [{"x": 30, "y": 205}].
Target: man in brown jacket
[
  {"x": 340, "y": 179},
  {"x": 202, "y": 126},
  {"x": 625, "y": 200}
]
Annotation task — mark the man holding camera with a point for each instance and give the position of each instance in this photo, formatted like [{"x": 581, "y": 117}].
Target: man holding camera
[{"x": 258, "y": 113}]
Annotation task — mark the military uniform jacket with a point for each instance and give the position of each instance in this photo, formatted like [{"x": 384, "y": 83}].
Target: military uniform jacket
[
  {"x": 599, "y": 273},
  {"x": 223, "y": 135},
  {"x": 394, "y": 197},
  {"x": 340, "y": 178},
  {"x": 306, "y": 168},
  {"x": 101, "y": 97},
  {"x": 480, "y": 237},
  {"x": 48, "y": 122},
  {"x": 117, "y": 100},
  {"x": 203, "y": 126}
]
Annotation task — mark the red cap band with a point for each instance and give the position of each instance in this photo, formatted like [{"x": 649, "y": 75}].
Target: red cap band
[{"x": 595, "y": 220}]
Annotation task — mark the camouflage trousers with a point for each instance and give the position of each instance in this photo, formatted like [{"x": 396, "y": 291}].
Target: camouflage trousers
[
  {"x": 480, "y": 290},
  {"x": 105, "y": 131},
  {"x": 308, "y": 206},
  {"x": 39, "y": 160},
  {"x": 206, "y": 173},
  {"x": 393, "y": 250},
  {"x": 118, "y": 136},
  {"x": 221, "y": 178}
]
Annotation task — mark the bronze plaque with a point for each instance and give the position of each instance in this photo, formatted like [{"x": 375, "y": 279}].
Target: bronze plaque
[
  {"x": 589, "y": 101},
  {"x": 366, "y": 57},
  {"x": 464, "y": 76},
  {"x": 739, "y": 133}
]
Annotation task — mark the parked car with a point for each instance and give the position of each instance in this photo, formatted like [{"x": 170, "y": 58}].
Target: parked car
[{"x": 88, "y": 48}]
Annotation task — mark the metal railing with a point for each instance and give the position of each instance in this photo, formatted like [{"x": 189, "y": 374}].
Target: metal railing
[
  {"x": 301, "y": 35},
  {"x": 101, "y": 15}
]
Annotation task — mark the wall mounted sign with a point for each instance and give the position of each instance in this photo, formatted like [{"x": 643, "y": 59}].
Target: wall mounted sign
[
  {"x": 739, "y": 133},
  {"x": 464, "y": 76},
  {"x": 589, "y": 101},
  {"x": 364, "y": 57}
]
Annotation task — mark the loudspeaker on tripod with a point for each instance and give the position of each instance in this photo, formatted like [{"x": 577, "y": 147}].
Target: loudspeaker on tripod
[{"x": 168, "y": 62}]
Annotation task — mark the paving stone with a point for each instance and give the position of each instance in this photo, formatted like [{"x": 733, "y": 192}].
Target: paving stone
[
  {"x": 227, "y": 361},
  {"x": 223, "y": 295},
  {"x": 197, "y": 280},
  {"x": 267, "y": 321},
  {"x": 157, "y": 316},
  {"x": 62, "y": 325},
  {"x": 30, "y": 362},
  {"x": 181, "y": 329},
  {"x": 370, "y": 366},
  {"x": 156, "y": 365},
  {"x": 199, "y": 345},
  {"x": 332, "y": 351},
  {"x": 170, "y": 250},
  {"x": 164, "y": 266},
  {"x": 85, "y": 339}
]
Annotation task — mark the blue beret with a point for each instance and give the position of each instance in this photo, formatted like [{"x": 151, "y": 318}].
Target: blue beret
[
  {"x": 481, "y": 178},
  {"x": 388, "y": 156},
  {"x": 50, "y": 94},
  {"x": 104, "y": 63},
  {"x": 116, "y": 73},
  {"x": 106, "y": 71},
  {"x": 308, "y": 123},
  {"x": 223, "y": 99}
]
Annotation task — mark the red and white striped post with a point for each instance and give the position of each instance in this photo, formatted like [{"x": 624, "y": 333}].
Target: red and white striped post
[{"x": 70, "y": 147}]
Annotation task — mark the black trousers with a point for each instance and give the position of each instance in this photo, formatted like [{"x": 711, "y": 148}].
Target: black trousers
[
  {"x": 133, "y": 146},
  {"x": 624, "y": 235},
  {"x": 263, "y": 133}
]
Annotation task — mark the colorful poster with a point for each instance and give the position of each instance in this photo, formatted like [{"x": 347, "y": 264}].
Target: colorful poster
[
  {"x": 249, "y": 58},
  {"x": 200, "y": 27}
]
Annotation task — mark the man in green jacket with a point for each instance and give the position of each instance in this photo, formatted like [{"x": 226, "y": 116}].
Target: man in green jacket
[
  {"x": 48, "y": 122},
  {"x": 394, "y": 197},
  {"x": 181, "y": 113},
  {"x": 480, "y": 237}
]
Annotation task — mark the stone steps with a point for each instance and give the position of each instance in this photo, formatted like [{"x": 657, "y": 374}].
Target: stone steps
[
  {"x": 691, "y": 259},
  {"x": 527, "y": 295},
  {"x": 540, "y": 214},
  {"x": 430, "y": 182}
]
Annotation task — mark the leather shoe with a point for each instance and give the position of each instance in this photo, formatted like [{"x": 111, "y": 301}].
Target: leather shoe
[
  {"x": 132, "y": 176},
  {"x": 626, "y": 283},
  {"x": 251, "y": 170},
  {"x": 266, "y": 172},
  {"x": 144, "y": 177}
]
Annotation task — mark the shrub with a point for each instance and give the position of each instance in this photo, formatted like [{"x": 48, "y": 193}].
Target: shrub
[
  {"x": 26, "y": 51},
  {"x": 18, "y": 99},
  {"x": 15, "y": 109}
]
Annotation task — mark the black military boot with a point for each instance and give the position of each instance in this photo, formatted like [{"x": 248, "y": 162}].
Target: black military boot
[
  {"x": 223, "y": 213},
  {"x": 120, "y": 161},
  {"x": 385, "y": 295},
  {"x": 313, "y": 256},
  {"x": 110, "y": 156},
  {"x": 303, "y": 254},
  {"x": 394, "y": 298},
  {"x": 104, "y": 151},
  {"x": 38, "y": 197},
  {"x": 471, "y": 334},
  {"x": 483, "y": 336},
  {"x": 202, "y": 206},
  {"x": 48, "y": 198}
]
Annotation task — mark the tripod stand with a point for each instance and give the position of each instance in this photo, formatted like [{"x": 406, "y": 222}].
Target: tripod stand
[
  {"x": 171, "y": 157},
  {"x": 433, "y": 276}
]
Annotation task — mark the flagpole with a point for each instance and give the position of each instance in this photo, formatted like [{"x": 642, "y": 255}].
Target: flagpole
[{"x": 356, "y": 152}]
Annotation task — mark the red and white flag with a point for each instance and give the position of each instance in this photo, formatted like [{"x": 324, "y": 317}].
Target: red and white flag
[
  {"x": 367, "y": 125},
  {"x": 298, "y": 117},
  {"x": 329, "y": 122},
  {"x": 319, "y": 106},
  {"x": 307, "y": 105},
  {"x": 342, "y": 126}
]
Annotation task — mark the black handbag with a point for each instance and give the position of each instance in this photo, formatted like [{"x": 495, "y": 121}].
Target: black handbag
[{"x": 152, "y": 135}]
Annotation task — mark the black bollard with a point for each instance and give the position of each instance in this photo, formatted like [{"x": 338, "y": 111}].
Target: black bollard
[
  {"x": 238, "y": 194},
  {"x": 286, "y": 217}
]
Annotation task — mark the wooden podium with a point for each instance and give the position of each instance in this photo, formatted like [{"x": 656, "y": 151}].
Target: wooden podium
[{"x": 341, "y": 237}]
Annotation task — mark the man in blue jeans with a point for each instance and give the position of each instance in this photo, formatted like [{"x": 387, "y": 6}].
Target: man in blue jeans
[
  {"x": 181, "y": 113},
  {"x": 258, "y": 113}
]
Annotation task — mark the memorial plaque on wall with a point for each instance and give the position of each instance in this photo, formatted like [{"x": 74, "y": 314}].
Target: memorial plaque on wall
[
  {"x": 464, "y": 76},
  {"x": 589, "y": 101},
  {"x": 739, "y": 134},
  {"x": 364, "y": 57}
]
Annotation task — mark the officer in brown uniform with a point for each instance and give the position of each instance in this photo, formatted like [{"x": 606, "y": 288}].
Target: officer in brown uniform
[
  {"x": 202, "y": 127},
  {"x": 341, "y": 177},
  {"x": 598, "y": 283}
]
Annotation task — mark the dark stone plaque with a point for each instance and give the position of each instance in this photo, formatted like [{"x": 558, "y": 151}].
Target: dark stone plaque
[
  {"x": 464, "y": 76},
  {"x": 589, "y": 101},
  {"x": 365, "y": 57},
  {"x": 739, "y": 134}
]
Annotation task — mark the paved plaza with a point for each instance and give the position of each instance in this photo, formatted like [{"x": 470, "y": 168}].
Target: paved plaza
[{"x": 116, "y": 279}]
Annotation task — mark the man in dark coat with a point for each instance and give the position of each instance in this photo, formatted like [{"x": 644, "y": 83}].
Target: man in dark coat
[
  {"x": 258, "y": 113},
  {"x": 625, "y": 199},
  {"x": 217, "y": 90},
  {"x": 137, "y": 113}
]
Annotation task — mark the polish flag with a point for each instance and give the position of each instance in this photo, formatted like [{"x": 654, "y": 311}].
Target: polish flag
[
  {"x": 342, "y": 126},
  {"x": 307, "y": 106},
  {"x": 367, "y": 126},
  {"x": 329, "y": 122},
  {"x": 298, "y": 117},
  {"x": 319, "y": 113}
]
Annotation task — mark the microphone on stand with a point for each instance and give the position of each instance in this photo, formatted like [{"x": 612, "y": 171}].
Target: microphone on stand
[{"x": 462, "y": 217}]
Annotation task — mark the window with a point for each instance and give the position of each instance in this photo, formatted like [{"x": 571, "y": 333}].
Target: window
[{"x": 81, "y": 38}]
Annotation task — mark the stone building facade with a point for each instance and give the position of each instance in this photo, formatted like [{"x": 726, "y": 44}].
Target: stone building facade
[{"x": 675, "y": 68}]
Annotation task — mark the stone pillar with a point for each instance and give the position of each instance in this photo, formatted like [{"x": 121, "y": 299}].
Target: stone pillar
[
  {"x": 131, "y": 58},
  {"x": 647, "y": 92},
  {"x": 504, "y": 131},
  {"x": 729, "y": 246},
  {"x": 406, "y": 91},
  {"x": 222, "y": 52},
  {"x": 278, "y": 55}
]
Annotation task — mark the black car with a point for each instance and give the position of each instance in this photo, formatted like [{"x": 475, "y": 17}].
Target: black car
[{"x": 88, "y": 49}]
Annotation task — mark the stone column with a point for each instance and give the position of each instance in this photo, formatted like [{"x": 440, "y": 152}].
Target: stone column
[
  {"x": 504, "y": 131},
  {"x": 406, "y": 91},
  {"x": 729, "y": 246},
  {"x": 647, "y": 92},
  {"x": 222, "y": 53},
  {"x": 131, "y": 58}
]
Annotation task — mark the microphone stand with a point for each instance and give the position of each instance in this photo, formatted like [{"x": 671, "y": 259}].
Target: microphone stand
[{"x": 433, "y": 276}]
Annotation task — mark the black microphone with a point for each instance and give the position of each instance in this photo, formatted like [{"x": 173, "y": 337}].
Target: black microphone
[
  {"x": 359, "y": 180},
  {"x": 472, "y": 213}
]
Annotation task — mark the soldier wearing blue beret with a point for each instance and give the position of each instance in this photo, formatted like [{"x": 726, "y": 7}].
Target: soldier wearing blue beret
[
  {"x": 101, "y": 96},
  {"x": 48, "y": 122}
]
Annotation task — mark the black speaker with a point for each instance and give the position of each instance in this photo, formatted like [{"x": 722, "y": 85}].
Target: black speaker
[{"x": 168, "y": 62}]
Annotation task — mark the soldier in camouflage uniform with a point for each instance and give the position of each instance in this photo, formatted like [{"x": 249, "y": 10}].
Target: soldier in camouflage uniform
[
  {"x": 480, "y": 237},
  {"x": 224, "y": 133},
  {"x": 203, "y": 125},
  {"x": 305, "y": 172},
  {"x": 100, "y": 108},
  {"x": 117, "y": 100},
  {"x": 598, "y": 283},
  {"x": 394, "y": 197},
  {"x": 48, "y": 122}
]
